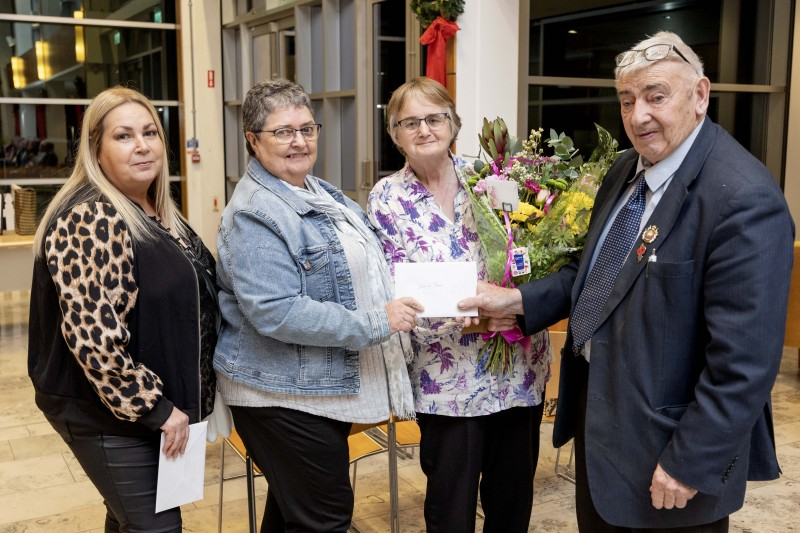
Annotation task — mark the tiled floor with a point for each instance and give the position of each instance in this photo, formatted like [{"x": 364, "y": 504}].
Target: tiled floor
[{"x": 42, "y": 489}]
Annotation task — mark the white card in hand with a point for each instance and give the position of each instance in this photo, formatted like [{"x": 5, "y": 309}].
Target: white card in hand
[
  {"x": 437, "y": 286},
  {"x": 181, "y": 480}
]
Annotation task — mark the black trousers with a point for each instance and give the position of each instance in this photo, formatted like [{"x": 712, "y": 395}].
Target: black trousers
[
  {"x": 495, "y": 454},
  {"x": 306, "y": 461},
  {"x": 125, "y": 472},
  {"x": 589, "y": 521}
]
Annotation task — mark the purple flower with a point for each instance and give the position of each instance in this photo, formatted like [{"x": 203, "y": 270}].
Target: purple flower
[
  {"x": 461, "y": 382},
  {"x": 528, "y": 378},
  {"x": 469, "y": 235},
  {"x": 434, "y": 326},
  {"x": 413, "y": 238},
  {"x": 385, "y": 222},
  {"x": 453, "y": 406},
  {"x": 408, "y": 207},
  {"x": 429, "y": 386},
  {"x": 467, "y": 339},
  {"x": 416, "y": 187},
  {"x": 456, "y": 250},
  {"x": 525, "y": 394},
  {"x": 436, "y": 222},
  {"x": 445, "y": 355},
  {"x": 480, "y": 188},
  {"x": 396, "y": 254}
]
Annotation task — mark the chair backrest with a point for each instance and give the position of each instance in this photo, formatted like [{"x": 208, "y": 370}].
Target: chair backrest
[
  {"x": 792, "y": 337},
  {"x": 235, "y": 442}
]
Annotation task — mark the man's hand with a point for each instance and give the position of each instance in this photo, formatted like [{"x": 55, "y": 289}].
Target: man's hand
[
  {"x": 500, "y": 305},
  {"x": 667, "y": 492}
]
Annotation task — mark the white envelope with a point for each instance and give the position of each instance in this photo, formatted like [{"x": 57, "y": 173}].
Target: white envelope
[
  {"x": 437, "y": 286},
  {"x": 181, "y": 480}
]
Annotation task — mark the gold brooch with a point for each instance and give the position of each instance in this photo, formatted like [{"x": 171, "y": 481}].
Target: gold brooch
[{"x": 650, "y": 234}]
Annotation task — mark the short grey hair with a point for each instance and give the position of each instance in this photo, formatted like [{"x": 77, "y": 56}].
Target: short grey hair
[
  {"x": 264, "y": 98},
  {"x": 662, "y": 37}
]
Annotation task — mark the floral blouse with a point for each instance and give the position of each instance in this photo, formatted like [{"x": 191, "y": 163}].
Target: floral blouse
[{"x": 447, "y": 372}]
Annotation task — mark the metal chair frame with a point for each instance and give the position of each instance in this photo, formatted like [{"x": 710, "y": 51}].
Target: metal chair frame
[{"x": 385, "y": 440}]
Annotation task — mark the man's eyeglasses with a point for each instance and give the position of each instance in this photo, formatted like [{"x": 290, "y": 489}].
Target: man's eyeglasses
[
  {"x": 287, "y": 135},
  {"x": 651, "y": 53},
  {"x": 434, "y": 122}
]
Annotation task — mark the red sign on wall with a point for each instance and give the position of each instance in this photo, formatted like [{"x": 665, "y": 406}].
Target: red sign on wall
[{"x": 211, "y": 79}]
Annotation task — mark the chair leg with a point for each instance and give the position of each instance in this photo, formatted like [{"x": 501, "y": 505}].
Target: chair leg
[
  {"x": 251, "y": 495},
  {"x": 353, "y": 480},
  {"x": 393, "y": 488},
  {"x": 566, "y": 472},
  {"x": 221, "y": 484}
]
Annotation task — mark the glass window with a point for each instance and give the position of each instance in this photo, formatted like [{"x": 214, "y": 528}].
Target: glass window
[
  {"x": 39, "y": 141},
  {"x": 59, "y": 61},
  {"x": 584, "y": 44},
  {"x": 102, "y": 9}
]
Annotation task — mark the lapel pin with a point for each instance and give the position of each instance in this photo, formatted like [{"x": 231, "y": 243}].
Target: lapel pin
[
  {"x": 650, "y": 234},
  {"x": 640, "y": 252}
]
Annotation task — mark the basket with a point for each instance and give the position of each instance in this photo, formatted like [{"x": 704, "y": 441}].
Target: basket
[{"x": 25, "y": 211}]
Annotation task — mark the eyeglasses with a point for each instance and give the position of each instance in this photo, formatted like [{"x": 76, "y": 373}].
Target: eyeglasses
[
  {"x": 434, "y": 122},
  {"x": 287, "y": 135},
  {"x": 651, "y": 53}
]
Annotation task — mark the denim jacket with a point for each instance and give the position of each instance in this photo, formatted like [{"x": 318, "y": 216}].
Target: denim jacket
[{"x": 290, "y": 323}]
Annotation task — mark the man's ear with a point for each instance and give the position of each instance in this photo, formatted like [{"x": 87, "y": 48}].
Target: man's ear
[{"x": 702, "y": 90}]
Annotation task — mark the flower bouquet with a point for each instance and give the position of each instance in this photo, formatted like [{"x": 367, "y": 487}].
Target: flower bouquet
[{"x": 547, "y": 227}]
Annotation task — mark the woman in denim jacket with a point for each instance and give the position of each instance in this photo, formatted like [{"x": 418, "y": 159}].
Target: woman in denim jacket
[{"x": 307, "y": 346}]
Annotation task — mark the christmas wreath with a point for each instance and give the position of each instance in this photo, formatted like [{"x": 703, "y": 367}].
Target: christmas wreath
[
  {"x": 429, "y": 10},
  {"x": 438, "y": 17}
]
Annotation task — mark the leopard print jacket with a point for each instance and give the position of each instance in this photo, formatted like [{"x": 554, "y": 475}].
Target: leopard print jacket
[{"x": 89, "y": 254}]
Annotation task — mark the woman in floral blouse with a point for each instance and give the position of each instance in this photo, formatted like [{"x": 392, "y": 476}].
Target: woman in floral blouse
[{"x": 478, "y": 431}]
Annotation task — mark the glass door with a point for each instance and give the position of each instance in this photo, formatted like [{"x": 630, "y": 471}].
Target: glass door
[{"x": 391, "y": 50}]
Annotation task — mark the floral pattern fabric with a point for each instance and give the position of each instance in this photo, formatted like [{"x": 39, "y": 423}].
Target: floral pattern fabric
[{"x": 447, "y": 372}]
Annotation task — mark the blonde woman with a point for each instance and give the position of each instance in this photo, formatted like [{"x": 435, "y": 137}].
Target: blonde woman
[{"x": 123, "y": 312}]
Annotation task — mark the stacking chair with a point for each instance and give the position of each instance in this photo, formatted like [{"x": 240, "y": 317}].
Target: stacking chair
[
  {"x": 251, "y": 472},
  {"x": 558, "y": 336},
  {"x": 364, "y": 441}
]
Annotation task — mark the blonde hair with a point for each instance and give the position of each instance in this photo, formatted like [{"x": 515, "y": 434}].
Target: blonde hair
[
  {"x": 426, "y": 90},
  {"x": 88, "y": 183}
]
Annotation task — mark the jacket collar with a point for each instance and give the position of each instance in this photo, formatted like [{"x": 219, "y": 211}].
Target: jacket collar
[{"x": 664, "y": 217}]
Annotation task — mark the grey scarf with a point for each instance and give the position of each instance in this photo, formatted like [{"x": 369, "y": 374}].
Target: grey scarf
[{"x": 396, "y": 349}]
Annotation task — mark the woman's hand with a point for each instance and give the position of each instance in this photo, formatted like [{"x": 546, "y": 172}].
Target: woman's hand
[
  {"x": 176, "y": 433},
  {"x": 402, "y": 314}
]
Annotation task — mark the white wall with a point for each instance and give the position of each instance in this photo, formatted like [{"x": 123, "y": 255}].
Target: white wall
[
  {"x": 487, "y": 67},
  {"x": 205, "y": 181}
]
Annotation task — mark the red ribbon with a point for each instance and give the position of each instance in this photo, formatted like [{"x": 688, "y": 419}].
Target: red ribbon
[{"x": 435, "y": 36}]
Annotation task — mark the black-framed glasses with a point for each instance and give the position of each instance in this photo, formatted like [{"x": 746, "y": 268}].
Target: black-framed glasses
[
  {"x": 434, "y": 122},
  {"x": 287, "y": 135},
  {"x": 651, "y": 53}
]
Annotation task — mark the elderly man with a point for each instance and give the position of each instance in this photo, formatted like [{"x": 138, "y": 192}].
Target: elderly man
[{"x": 677, "y": 311}]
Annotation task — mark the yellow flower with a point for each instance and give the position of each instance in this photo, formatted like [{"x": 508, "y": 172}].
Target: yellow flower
[{"x": 524, "y": 212}]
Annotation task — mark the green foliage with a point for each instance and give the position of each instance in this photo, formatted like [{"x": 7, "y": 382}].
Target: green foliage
[{"x": 428, "y": 10}]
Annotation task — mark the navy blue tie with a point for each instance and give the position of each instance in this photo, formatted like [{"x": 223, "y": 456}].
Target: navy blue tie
[{"x": 616, "y": 248}]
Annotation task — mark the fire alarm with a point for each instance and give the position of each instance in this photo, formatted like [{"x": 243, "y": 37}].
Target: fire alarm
[{"x": 195, "y": 156}]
